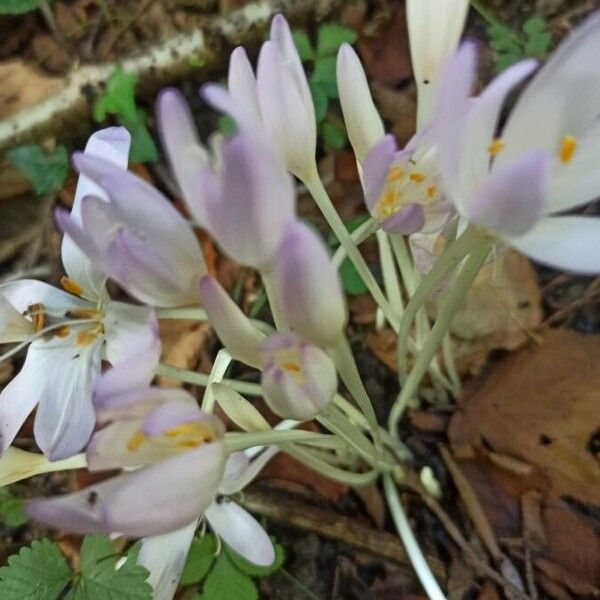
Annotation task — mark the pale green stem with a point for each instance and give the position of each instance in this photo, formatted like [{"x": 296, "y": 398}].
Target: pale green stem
[
  {"x": 358, "y": 236},
  {"x": 275, "y": 306},
  {"x": 346, "y": 366},
  {"x": 448, "y": 354},
  {"x": 236, "y": 440},
  {"x": 390, "y": 275},
  {"x": 449, "y": 260},
  {"x": 201, "y": 379},
  {"x": 195, "y": 314},
  {"x": 319, "y": 193},
  {"x": 428, "y": 581},
  {"x": 222, "y": 362},
  {"x": 312, "y": 460},
  {"x": 448, "y": 309}
]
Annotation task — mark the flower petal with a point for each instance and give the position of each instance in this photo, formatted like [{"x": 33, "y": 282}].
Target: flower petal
[
  {"x": 25, "y": 292},
  {"x": 363, "y": 123},
  {"x": 241, "y": 82},
  {"x": 407, "y": 220},
  {"x": 240, "y": 470},
  {"x": 234, "y": 329},
  {"x": 376, "y": 166},
  {"x": 240, "y": 530},
  {"x": 164, "y": 556},
  {"x": 511, "y": 200},
  {"x": 565, "y": 243},
  {"x": 14, "y": 327},
  {"x": 110, "y": 144}
]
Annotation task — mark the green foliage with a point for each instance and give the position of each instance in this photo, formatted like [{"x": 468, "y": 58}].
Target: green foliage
[
  {"x": 510, "y": 46},
  {"x": 46, "y": 171},
  {"x": 40, "y": 572},
  {"x": 17, "y": 7},
  {"x": 351, "y": 281},
  {"x": 322, "y": 76},
  {"x": 118, "y": 99},
  {"x": 12, "y": 513},
  {"x": 226, "y": 576}
]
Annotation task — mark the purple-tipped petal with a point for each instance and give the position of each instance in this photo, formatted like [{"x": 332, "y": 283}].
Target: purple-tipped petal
[
  {"x": 241, "y": 531},
  {"x": 220, "y": 99},
  {"x": 407, "y": 220},
  {"x": 234, "y": 329},
  {"x": 308, "y": 286},
  {"x": 376, "y": 166},
  {"x": 511, "y": 200},
  {"x": 174, "y": 413},
  {"x": 241, "y": 82}
]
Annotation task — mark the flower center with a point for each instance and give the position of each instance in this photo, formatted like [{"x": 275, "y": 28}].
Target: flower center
[
  {"x": 568, "y": 145},
  {"x": 70, "y": 286},
  {"x": 180, "y": 437}
]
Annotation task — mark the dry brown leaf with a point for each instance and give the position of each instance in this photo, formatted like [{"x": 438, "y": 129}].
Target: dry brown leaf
[
  {"x": 540, "y": 405},
  {"x": 23, "y": 86},
  {"x": 183, "y": 344}
]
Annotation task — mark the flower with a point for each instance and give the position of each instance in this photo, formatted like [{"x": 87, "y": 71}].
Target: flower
[
  {"x": 278, "y": 101},
  {"x": 133, "y": 234},
  {"x": 513, "y": 182},
  {"x": 299, "y": 379},
  {"x": 70, "y": 332},
  {"x": 246, "y": 205}
]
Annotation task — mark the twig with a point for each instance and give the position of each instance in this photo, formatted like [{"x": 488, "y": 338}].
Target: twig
[{"x": 330, "y": 524}]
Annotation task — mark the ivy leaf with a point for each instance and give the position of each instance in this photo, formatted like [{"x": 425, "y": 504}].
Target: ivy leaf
[
  {"x": 46, "y": 171},
  {"x": 39, "y": 572},
  {"x": 333, "y": 135},
  {"x": 17, "y": 7},
  {"x": 331, "y": 36},
  {"x": 143, "y": 148},
  {"x": 303, "y": 45},
  {"x": 256, "y": 570},
  {"x": 227, "y": 582},
  {"x": 101, "y": 580},
  {"x": 11, "y": 509},
  {"x": 320, "y": 100},
  {"x": 200, "y": 559}
]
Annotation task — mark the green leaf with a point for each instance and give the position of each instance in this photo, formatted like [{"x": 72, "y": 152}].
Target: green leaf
[
  {"x": 539, "y": 45},
  {"x": 331, "y": 36},
  {"x": 39, "y": 572},
  {"x": 17, "y": 7},
  {"x": 11, "y": 509},
  {"x": 226, "y": 582},
  {"x": 320, "y": 100},
  {"x": 118, "y": 98},
  {"x": 200, "y": 559},
  {"x": 256, "y": 570},
  {"x": 46, "y": 171},
  {"x": 101, "y": 580},
  {"x": 143, "y": 148},
  {"x": 324, "y": 71},
  {"x": 333, "y": 135},
  {"x": 303, "y": 45},
  {"x": 227, "y": 125},
  {"x": 535, "y": 24},
  {"x": 506, "y": 60}
]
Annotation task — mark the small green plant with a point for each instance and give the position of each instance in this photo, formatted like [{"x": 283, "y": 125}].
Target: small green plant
[
  {"x": 322, "y": 79},
  {"x": 45, "y": 170},
  {"x": 11, "y": 509},
  {"x": 17, "y": 7},
  {"x": 41, "y": 572},
  {"x": 119, "y": 100},
  {"x": 224, "y": 575}
]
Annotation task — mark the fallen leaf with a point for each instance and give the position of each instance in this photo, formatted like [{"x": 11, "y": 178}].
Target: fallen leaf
[{"x": 540, "y": 405}]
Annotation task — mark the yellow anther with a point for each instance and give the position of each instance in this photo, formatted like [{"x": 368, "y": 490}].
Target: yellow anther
[
  {"x": 432, "y": 191},
  {"x": 183, "y": 429},
  {"x": 88, "y": 336},
  {"x": 386, "y": 203},
  {"x": 495, "y": 147},
  {"x": 568, "y": 145},
  {"x": 135, "y": 441},
  {"x": 394, "y": 174},
  {"x": 189, "y": 444},
  {"x": 291, "y": 366},
  {"x": 70, "y": 286},
  {"x": 62, "y": 331},
  {"x": 83, "y": 313},
  {"x": 416, "y": 177},
  {"x": 194, "y": 434},
  {"x": 37, "y": 312}
]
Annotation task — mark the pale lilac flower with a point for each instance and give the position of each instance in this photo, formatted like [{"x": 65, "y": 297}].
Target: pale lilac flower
[
  {"x": 299, "y": 379},
  {"x": 245, "y": 205},
  {"x": 308, "y": 286},
  {"x": 134, "y": 235},
  {"x": 542, "y": 162},
  {"x": 61, "y": 365},
  {"x": 277, "y": 102}
]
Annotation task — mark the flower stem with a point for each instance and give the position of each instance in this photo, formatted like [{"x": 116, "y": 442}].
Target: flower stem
[
  {"x": 201, "y": 379},
  {"x": 278, "y": 318},
  {"x": 192, "y": 313},
  {"x": 441, "y": 327},
  {"x": 319, "y": 193},
  {"x": 430, "y": 585},
  {"x": 237, "y": 440}
]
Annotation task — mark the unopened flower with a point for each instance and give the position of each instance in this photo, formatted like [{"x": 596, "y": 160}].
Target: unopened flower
[
  {"x": 278, "y": 99},
  {"x": 63, "y": 360},
  {"x": 246, "y": 205},
  {"x": 542, "y": 162},
  {"x": 308, "y": 286},
  {"x": 299, "y": 379}
]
